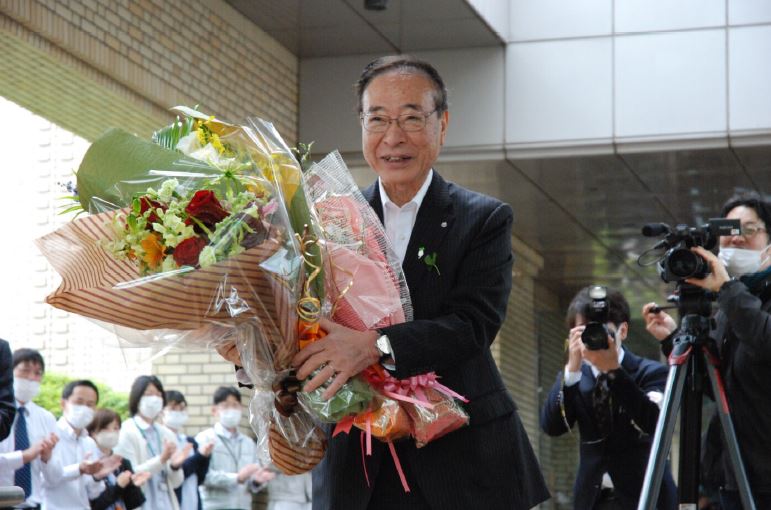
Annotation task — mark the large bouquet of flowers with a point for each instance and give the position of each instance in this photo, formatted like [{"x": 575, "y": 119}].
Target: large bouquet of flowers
[{"x": 193, "y": 240}]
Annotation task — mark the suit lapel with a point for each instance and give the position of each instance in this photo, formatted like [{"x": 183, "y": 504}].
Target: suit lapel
[{"x": 434, "y": 220}]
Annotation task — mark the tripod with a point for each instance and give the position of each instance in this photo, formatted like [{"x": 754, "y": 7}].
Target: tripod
[{"x": 694, "y": 358}]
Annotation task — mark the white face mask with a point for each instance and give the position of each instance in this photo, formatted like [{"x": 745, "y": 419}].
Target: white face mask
[
  {"x": 230, "y": 418},
  {"x": 78, "y": 416},
  {"x": 740, "y": 261},
  {"x": 107, "y": 439},
  {"x": 174, "y": 419},
  {"x": 25, "y": 389},
  {"x": 150, "y": 406}
]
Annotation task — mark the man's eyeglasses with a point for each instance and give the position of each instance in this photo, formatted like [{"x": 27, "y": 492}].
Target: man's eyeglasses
[
  {"x": 751, "y": 229},
  {"x": 410, "y": 122}
]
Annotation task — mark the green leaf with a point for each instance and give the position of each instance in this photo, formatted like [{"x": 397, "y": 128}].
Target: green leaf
[
  {"x": 168, "y": 137},
  {"x": 117, "y": 165}
]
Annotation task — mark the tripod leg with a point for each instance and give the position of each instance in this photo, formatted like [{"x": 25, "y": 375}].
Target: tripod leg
[
  {"x": 729, "y": 434},
  {"x": 690, "y": 433},
  {"x": 662, "y": 439}
]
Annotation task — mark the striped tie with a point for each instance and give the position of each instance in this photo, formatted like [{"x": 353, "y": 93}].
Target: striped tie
[{"x": 23, "y": 476}]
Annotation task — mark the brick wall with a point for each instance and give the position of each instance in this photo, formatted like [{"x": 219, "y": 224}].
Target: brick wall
[
  {"x": 558, "y": 455},
  {"x": 516, "y": 350},
  {"x": 529, "y": 352},
  {"x": 143, "y": 56}
]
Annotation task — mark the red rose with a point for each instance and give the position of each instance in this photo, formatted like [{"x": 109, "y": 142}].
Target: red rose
[
  {"x": 205, "y": 207},
  {"x": 186, "y": 253},
  {"x": 145, "y": 204}
]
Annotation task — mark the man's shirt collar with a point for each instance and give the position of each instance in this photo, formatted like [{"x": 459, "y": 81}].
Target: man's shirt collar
[{"x": 417, "y": 199}]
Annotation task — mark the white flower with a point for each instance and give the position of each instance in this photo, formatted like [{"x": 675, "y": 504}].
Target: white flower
[
  {"x": 188, "y": 143},
  {"x": 208, "y": 154},
  {"x": 207, "y": 257},
  {"x": 172, "y": 228},
  {"x": 169, "y": 264},
  {"x": 167, "y": 190}
]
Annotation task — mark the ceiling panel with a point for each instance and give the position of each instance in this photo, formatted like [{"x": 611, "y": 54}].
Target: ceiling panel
[{"x": 320, "y": 28}]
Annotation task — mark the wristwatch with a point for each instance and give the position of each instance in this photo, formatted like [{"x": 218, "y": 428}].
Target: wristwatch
[{"x": 383, "y": 345}]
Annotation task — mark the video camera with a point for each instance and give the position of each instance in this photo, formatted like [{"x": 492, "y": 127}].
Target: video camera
[
  {"x": 595, "y": 334},
  {"x": 679, "y": 262}
]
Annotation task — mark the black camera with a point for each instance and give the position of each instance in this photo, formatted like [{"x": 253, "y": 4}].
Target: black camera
[
  {"x": 595, "y": 334},
  {"x": 678, "y": 262}
]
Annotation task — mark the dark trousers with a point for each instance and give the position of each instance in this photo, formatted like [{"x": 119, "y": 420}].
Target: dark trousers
[{"x": 388, "y": 493}]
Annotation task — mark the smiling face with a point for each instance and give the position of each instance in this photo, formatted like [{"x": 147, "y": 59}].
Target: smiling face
[{"x": 402, "y": 159}]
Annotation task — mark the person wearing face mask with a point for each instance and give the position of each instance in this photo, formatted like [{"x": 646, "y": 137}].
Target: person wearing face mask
[
  {"x": 234, "y": 473},
  {"x": 32, "y": 437},
  {"x": 74, "y": 473},
  {"x": 196, "y": 464},
  {"x": 614, "y": 397},
  {"x": 122, "y": 486},
  {"x": 150, "y": 446},
  {"x": 741, "y": 277}
]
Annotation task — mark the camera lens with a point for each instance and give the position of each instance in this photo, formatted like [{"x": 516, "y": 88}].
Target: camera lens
[
  {"x": 595, "y": 336},
  {"x": 683, "y": 263}
]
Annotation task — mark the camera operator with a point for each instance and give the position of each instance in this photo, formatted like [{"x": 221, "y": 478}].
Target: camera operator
[
  {"x": 614, "y": 396},
  {"x": 741, "y": 277}
]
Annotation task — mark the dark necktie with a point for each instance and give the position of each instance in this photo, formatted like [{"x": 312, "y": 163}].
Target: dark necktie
[
  {"x": 601, "y": 405},
  {"x": 23, "y": 476}
]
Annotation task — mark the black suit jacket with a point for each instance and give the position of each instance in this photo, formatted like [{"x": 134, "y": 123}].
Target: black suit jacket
[
  {"x": 7, "y": 404},
  {"x": 458, "y": 311},
  {"x": 624, "y": 453}
]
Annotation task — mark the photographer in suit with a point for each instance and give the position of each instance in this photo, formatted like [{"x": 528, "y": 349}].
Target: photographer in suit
[
  {"x": 741, "y": 277},
  {"x": 614, "y": 396}
]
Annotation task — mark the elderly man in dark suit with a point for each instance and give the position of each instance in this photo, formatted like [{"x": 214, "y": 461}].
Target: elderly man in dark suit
[
  {"x": 614, "y": 397},
  {"x": 455, "y": 247}
]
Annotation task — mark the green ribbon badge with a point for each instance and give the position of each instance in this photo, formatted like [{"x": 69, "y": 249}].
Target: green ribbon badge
[{"x": 429, "y": 260}]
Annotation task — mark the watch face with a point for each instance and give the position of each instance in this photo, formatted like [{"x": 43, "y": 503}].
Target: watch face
[{"x": 383, "y": 345}]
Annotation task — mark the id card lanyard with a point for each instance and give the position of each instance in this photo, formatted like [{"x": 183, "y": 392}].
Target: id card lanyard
[
  {"x": 162, "y": 485},
  {"x": 235, "y": 456},
  {"x": 153, "y": 453}
]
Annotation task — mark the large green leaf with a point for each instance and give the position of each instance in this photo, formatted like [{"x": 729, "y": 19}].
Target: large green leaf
[{"x": 118, "y": 165}]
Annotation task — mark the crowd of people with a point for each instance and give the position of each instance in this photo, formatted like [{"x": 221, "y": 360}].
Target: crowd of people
[{"x": 90, "y": 459}]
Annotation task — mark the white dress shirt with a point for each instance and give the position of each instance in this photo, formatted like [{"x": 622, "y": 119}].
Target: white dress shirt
[
  {"x": 64, "y": 487},
  {"x": 572, "y": 378},
  {"x": 232, "y": 451},
  {"x": 398, "y": 221},
  {"x": 40, "y": 423}
]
